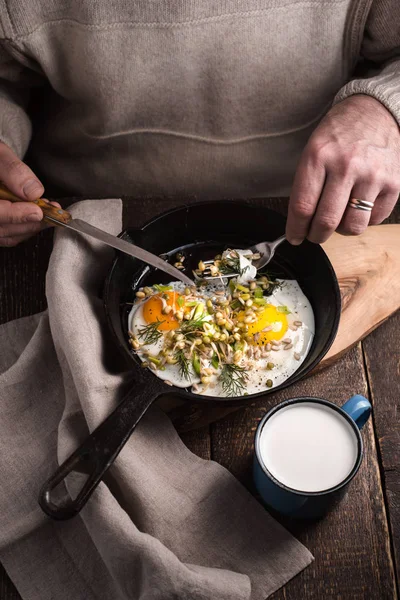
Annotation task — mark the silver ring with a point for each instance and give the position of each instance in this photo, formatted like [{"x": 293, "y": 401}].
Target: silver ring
[{"x": 361, "y": 204}]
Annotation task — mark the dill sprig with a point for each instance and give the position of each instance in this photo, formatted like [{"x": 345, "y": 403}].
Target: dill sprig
[
  {"x": 183, "y": 364},
  {"x": 272, "y": 286},
  {"x": 196, "y": 322},
  {"x": 150, "y": 333},
  {"x": 233, "y": 379},
  {"x": 272, "y": 282},
  {"x": 192, "y": 325},
  {"x": 231, "y": 264}
]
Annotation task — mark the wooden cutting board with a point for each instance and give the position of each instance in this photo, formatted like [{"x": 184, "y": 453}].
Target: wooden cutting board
[{"x": 368, "y": 270}]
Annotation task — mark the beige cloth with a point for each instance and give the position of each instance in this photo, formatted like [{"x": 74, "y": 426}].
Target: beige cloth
[
  {"x": 213, "y": 98},
  {"x": 167, "y": 525}
]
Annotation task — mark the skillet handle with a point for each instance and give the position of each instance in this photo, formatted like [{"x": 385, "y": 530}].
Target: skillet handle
[{"x": 98, "y": 451}]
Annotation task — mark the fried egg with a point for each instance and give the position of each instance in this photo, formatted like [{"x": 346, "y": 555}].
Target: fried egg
[
  {"x": 280, "y": 326},
  {"x": 150, "y": 311},
  {"x": 279, "y": 335}
]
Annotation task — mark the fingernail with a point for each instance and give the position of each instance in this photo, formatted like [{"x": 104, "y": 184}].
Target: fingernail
[
  {"x": 32, "y": 188},
  {"x": 34, "y": 217},
  {"x": 296, "y": 241}
]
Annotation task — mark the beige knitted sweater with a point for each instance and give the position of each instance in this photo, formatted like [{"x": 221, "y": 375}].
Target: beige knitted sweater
[{"x": 214, "y": 97}]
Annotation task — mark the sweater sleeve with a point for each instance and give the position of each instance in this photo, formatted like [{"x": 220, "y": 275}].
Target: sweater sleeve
[
  {"x": 381, "y": 46},
  {"x": 16, "y": 83}
]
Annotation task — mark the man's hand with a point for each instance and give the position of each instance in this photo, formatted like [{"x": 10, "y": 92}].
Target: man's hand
[
  {"x": 353, "y": 153},
  {"x": 19, "y": 220}
]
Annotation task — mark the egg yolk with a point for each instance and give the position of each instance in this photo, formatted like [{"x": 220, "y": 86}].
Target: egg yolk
[
  {"x": 269, "y": 317},
  {"x": 153, "y": 310}
]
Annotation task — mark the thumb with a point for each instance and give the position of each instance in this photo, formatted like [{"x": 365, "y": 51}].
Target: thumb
[{"x": 17, "y": 176}]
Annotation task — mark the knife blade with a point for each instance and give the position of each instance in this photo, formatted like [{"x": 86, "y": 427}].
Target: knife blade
[
  {"x": 57, "y": 216},
  {"x": 127, "y": 247}
]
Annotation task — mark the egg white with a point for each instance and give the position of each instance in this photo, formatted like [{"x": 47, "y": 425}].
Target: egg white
[
  {"x": 287, "y": 294},
  {"x": 136, "y": 321},
  {"x": 285, "y": 364}
]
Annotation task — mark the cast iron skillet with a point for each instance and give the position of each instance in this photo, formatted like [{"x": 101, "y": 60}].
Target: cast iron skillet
[{"x": 200, "y": 231}]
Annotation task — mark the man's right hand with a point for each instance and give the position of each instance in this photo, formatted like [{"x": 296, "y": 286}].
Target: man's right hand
[{"x": 19, "y": 220}]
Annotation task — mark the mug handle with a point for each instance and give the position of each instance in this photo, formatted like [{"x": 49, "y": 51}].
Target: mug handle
[{"x": 359, "y": 409}]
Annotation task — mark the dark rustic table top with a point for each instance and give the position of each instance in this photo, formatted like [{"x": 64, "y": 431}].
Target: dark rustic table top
[{"x": 356, "y": 547}]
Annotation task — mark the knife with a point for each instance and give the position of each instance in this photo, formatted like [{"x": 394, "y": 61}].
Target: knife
[{"x": 58, "y": 217}]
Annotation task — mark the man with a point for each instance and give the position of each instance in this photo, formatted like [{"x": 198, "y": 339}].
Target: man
[{"x": 229, "y": 98}]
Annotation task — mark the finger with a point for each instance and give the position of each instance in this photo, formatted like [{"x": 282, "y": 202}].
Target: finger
[
  {"x": 306, "y": 190},
  {"x": 20, "y": 229},
  {"x": 355, "y": 220},
  {"x": 19, "y": 212},
  {"x": 330, "y": 209},
  {"x": 384, "y": 204},
  {"x": 45, "y": 224},
  {"x": 52, "y": 202},
  {"x": 17, "y": 176},
  {"x": 11, "y": 241}
]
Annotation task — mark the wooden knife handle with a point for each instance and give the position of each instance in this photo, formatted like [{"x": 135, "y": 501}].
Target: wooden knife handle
[{"x": 60, "y": 215}]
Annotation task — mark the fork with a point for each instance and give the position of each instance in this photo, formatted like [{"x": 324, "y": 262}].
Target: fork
[{"x": 266, "y": 250}]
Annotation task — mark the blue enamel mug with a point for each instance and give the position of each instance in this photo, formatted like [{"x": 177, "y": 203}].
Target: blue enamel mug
[{"x": 304, "y": 460}]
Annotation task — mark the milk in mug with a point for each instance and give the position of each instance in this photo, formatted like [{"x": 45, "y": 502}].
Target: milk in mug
[{"x": 308, "y": 447}]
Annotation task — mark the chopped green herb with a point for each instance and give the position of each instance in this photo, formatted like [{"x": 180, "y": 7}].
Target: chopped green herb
[
  {"x": 235, "y": 305},
  {"x": 233, "y": 379},
  {"x": 183, "y": 363},
  {"x": 196, "y": 363},
  {"x": 272, "y": 284},
  {"x": 162, "y": 288},
  {"x": 199, "y": 311},
  {"x": 283, "y": 309},
  {"x": 231, "y": 264},
  {"x": 192, "y": 325},
  {"x": 215, "y": 360},
  {"x": 180, "y": 301},
  {"x": 150, "y": 333},
  {"x": 156, "y": 361}
]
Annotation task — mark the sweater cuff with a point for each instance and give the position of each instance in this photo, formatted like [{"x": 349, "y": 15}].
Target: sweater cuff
[
  {"x": 15, "y": 126},
  {"x": 384, "y": 87}
]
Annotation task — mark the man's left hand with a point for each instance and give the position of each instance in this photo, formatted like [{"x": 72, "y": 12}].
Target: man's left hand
[{"x": 353, "y": 153}]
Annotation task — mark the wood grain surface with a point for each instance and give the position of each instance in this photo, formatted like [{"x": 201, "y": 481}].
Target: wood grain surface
[
  {"x": 367, "y": 266},
  {"x": 356, "y": 533},
  {"x": 357, "y": 547},
  {"x": 382, "y": 357},
  {"x": 368, "y": 271}
]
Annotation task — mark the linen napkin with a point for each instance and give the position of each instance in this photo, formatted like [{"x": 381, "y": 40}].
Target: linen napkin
[{"x": 165, "y": 524}]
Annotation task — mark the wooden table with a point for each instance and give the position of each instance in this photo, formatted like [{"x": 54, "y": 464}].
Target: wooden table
[{"x": 356, "y": 547}]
